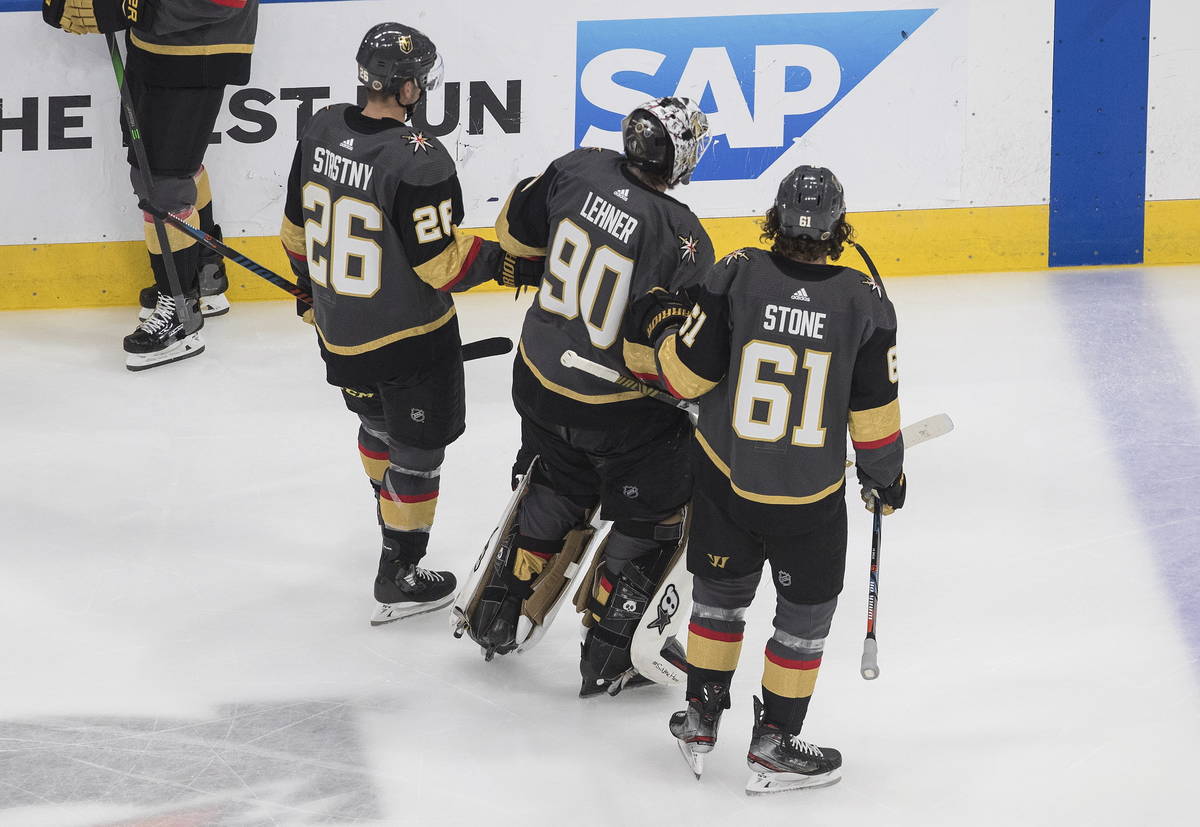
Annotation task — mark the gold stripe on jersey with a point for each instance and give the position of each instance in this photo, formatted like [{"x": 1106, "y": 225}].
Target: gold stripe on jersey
[
  {"x": 354, "y": 350},
  {"x": 590, "y": 399},
  {"x": 770, "y": 499},
  {"x": 875, "y": 423},
  {"x": 446, "y": 266},
  {"x": 211, "y": 49},
  {"x": 508, "y": 242},
  {"x": 679, "y": 376},
  {"x": 203, "y": 188},
  {"x": 177, "y": 239},
  {"x": 292, "y": 237},
  {"x": 639, "y": 358}
]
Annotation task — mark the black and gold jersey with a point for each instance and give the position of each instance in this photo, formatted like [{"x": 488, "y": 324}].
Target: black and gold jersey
[
  {"x": 606, "y": 237},
  {"x": 191, "y": 42},
  {"x": 371, "y": 226},
  {"x": 787, "y": 357}
]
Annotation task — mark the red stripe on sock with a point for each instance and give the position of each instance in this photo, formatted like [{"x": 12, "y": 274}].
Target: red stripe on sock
[
  {"x": 712, "y": 634},
  {"x": 407, "y": 498},
  {"x": 792, "y": 664}
]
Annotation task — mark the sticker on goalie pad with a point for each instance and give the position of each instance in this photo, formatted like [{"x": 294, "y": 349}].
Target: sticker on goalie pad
[
  {"x": 501, "y": 539},
  {"x": 655, "y": 650}
]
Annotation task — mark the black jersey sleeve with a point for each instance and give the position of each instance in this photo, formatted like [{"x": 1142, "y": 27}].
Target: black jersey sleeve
[
  {"x": 523, "y": 226},
  {"x": 692, "y": 360},
  {"x": 444, "y": 257},
  {"x": 291, "y": 231},
  {"x": 874, "y": 416}
]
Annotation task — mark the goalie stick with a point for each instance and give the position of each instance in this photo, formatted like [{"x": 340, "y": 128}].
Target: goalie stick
[
  {"x": 494, "y": 346},
  {"x": 571, "y": 359}
]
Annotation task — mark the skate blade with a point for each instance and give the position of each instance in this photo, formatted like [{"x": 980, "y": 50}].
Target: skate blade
[
  {"x": 386, "y": 613},
  {"x": 695, "y": 759},
  {"x": 210, "y": 306},
  {"x": 766, "y": 783},
  {"x": 186, "y": 348}
]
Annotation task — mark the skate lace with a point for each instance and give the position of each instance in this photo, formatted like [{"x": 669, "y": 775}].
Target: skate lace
[
  {"x": 419, "y": 573},
  {"x": 164, "y": 311},
  {"x": 803, "y": 747}
]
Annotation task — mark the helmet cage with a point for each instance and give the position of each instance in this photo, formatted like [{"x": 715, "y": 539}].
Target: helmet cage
[{"x": 668, "y": 136}]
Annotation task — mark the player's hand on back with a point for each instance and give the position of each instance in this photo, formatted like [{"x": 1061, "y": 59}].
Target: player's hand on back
[{"x": 892, "y": 496}]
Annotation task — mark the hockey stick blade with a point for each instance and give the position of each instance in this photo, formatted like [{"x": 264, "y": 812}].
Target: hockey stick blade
[{"x": 483, "y": 348}]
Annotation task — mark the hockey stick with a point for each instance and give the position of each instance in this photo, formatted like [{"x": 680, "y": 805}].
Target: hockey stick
[
  {"x": 870, "y": 656},
  {"x": 182, "y": 308},
  {"x": 495, "y": 346},
  {"x": 571, "y": 359}
]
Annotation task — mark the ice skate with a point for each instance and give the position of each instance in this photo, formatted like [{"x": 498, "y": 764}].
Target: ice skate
[
  {"x": 496, "y": 617},
  {"x": 696, "y": 727},
  {"x": 161, "y": 338},
  {"x": 411, "y": 591},
  {"x": 215, "y": 305},
  {"x": 780, "y": 761}
]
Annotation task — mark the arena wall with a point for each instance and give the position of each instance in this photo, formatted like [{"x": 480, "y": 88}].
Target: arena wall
[{"x": 971, "y": 135}]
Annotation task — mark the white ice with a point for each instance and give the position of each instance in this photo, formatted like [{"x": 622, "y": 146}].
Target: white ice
[{"x": 185, "y": 587}]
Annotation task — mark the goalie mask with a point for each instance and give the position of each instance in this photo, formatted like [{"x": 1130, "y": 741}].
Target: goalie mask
[
  {"x": 392, "y": 53},
  {"x": 810, "y": 203},
  {"x": 667, "y": 136}
]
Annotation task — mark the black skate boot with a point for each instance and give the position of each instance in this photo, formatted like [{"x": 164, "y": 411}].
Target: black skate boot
[
  {"x": 406, "y": 589},
  {"x": 211, "y": 280},
  {"x": 781, "y": 761},
  {"x": 696, "y": 726},
  {"x": 161, "y": 338}
]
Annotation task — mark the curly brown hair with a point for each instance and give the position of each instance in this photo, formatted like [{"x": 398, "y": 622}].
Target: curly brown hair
[{"x": 802, "y": 249}]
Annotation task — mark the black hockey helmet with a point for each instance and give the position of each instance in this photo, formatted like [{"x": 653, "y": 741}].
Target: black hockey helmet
[
  {"x": 810, "y": 203},
  {"x": 667, "y": 136},
  {"x": 391, "y": 53}
]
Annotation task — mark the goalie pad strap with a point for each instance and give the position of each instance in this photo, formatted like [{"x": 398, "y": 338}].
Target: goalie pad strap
[{"x": 644, "y": 530}]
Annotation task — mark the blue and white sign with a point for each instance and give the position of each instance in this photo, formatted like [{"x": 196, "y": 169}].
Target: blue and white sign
[{"x": 763, "y": 80}]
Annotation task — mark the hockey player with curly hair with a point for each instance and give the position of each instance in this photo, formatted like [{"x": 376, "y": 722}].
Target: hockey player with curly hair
[{"x": 786, "y": 352}]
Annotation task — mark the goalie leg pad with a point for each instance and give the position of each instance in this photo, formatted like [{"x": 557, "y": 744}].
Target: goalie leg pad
[{"x": 635, "y": 559}]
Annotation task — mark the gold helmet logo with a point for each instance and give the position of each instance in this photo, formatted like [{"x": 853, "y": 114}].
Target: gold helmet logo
[{"x": 406, "y": 44}]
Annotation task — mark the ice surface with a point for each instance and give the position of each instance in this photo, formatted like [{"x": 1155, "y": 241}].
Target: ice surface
[{"x": 187, "y": 556}]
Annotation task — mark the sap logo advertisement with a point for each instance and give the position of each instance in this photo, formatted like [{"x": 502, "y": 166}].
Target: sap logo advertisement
[{"x": 763, "y": 80}]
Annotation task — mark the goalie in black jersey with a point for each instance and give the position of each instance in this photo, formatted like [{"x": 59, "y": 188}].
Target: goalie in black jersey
[
  {"x": 609, "y": 232},
  {"x": 786, "y": 352},
  {"x": 371, "y": 228}
]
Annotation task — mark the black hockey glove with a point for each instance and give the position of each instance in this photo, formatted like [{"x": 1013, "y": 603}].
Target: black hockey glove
[
  {"x": 652, "y": 315},
  {"x": 892, "y": 496},
  {"x": 97, "y": 16},
  {"x": 516, "y": 271}
]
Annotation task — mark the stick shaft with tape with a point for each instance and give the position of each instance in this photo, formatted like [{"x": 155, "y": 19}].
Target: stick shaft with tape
[{"x": 870, "y": 656}]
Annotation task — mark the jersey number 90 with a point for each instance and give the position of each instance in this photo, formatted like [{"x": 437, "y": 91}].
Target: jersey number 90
[
  {"x": 580, "y": 281},
  {"x": 331, "y": 241}
]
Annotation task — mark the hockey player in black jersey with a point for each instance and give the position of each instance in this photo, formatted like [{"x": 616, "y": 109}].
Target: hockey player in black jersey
[
  {"x": 181, "y": 55},
  {"x": 609, "y": 232},
  {"x": 786, "y": 352},
  {"x": 371, "y": 229}
]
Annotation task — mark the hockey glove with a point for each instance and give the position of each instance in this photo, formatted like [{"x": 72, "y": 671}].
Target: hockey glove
[
  {"x": 96, "y": 16},
  {"x": 653, "y": 315},
  {"x": 516, "y": 271},
  {"x": 892, "y": 496}
]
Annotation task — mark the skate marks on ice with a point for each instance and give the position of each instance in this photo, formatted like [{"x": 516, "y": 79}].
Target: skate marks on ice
[{"x": 248, "y": 764}]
